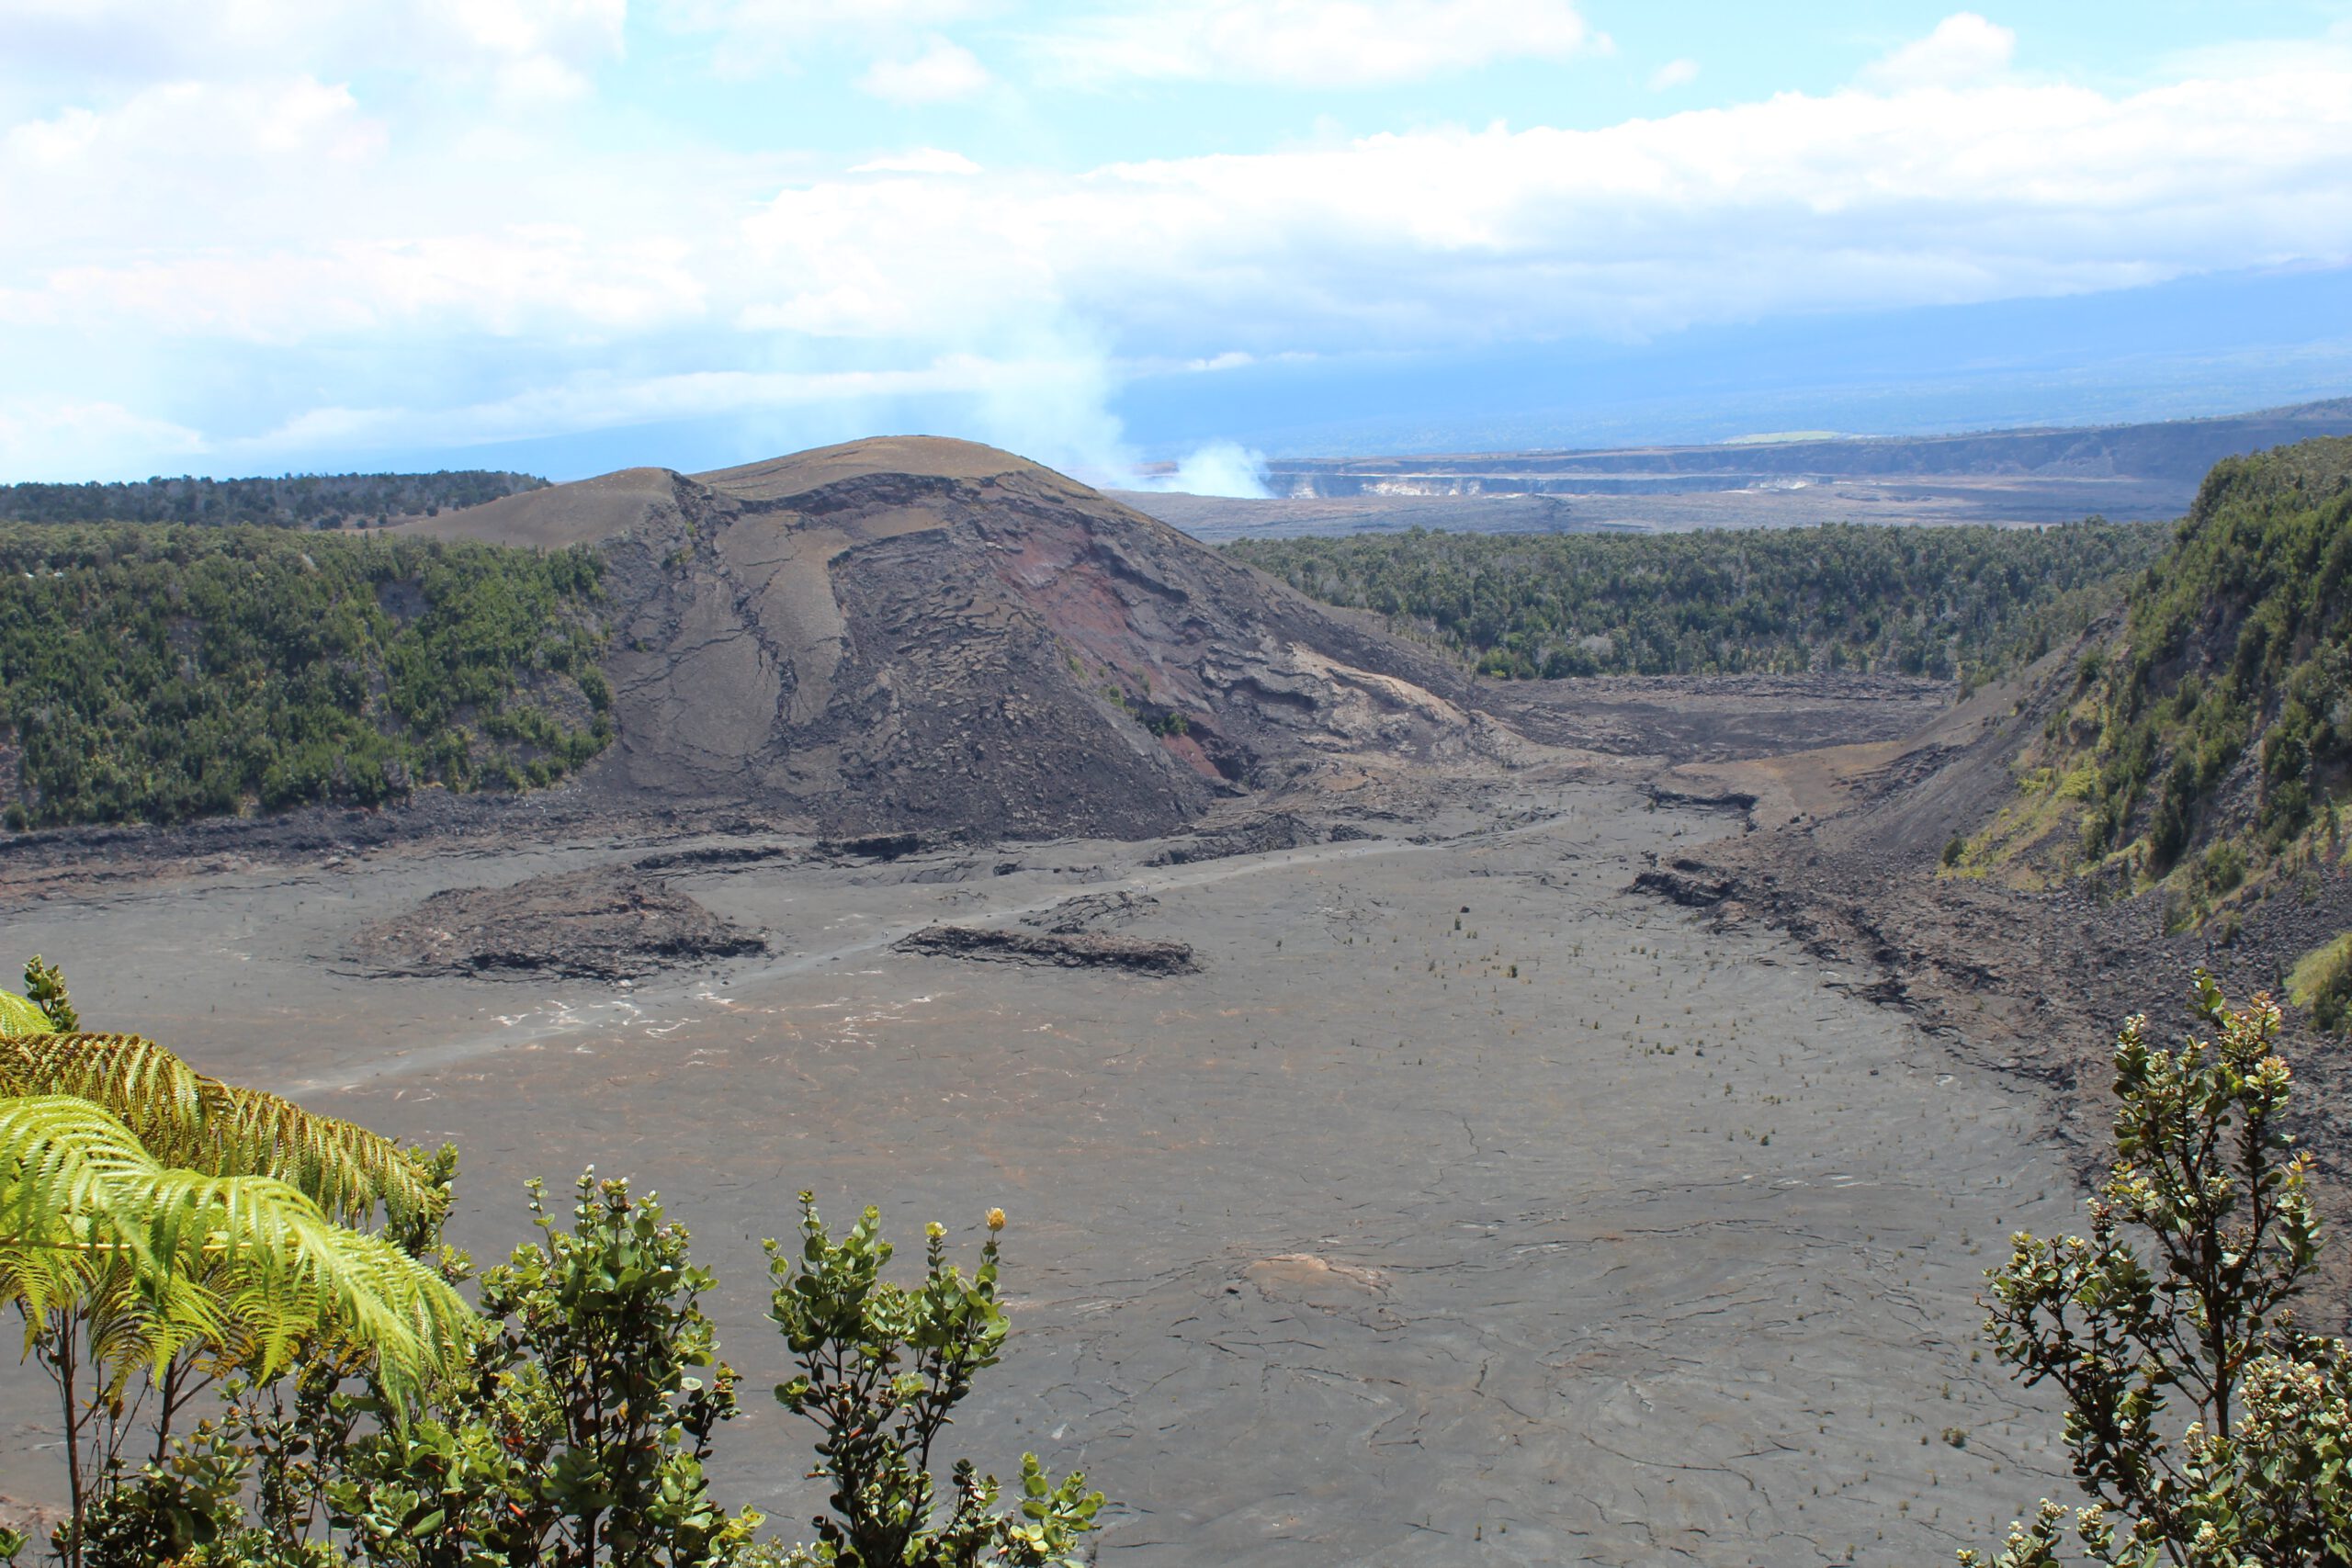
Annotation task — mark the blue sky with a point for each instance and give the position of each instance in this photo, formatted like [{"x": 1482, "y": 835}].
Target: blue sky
[{"x": 570, "y": 235}]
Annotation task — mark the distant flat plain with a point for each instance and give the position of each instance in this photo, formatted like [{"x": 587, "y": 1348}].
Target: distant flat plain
[
  {"x": 2005, "y": 477},
  {"x": 1464, "y": 1207},
  {"x": 2006, "y": 502}
]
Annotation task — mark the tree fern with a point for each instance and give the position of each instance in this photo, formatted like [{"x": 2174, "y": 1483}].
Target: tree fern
[
  {"x": 155, "y": 1220},
  {"x": 80, "y": 1195},
  {"x": 199, "y": 1123}
]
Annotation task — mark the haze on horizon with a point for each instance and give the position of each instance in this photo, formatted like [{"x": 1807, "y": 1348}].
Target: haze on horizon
[{"x": 572, "y": 235}]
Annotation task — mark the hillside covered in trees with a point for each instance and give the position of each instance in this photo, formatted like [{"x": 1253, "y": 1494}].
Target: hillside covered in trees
[
  {"x": 156, "y": 672},
  {"x": 2208, "y": 742},
  {"x": 2239, "y": 644},
  {"x": 1917, "y": 601},
  {"x": 295, "y": 500}
]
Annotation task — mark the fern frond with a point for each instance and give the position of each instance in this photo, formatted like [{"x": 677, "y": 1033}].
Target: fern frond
[
  {"x": 75, "y": 1182},
  {"x": 199, "y": 1123},
  {"x": 136, "y": 1320},
  {"x": 158, "y": 1097},
  {"x": 63, "y": 1161},
  {"x": 18, "y": 1016},
  {"x": 343, "y": 1168}
]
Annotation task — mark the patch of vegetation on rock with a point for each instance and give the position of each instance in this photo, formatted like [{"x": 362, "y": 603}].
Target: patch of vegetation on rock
[
  {"x": 2321, "y": 984},
  {"x": 2238, "y": 645}
]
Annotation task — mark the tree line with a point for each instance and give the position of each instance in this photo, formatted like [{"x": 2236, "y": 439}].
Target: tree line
[{"x": 290, "y": 500}]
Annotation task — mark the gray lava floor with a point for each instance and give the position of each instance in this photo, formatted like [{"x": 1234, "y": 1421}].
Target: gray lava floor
[{"x": 1464, "y": 1208}]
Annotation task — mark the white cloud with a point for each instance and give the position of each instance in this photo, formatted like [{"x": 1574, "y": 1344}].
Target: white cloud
[
  {"x": 1964, "y": 48},
  {"x": 1313, "y": 43},
  {"x": 1673, "y": 74},
  {"x": 942, "y": 73},
  {"x": 216, "y": 264},
  {"x": 918, "y": 161},
  {"x": 524, "y": 51},
  {"x": 523, "y": 280},
  {"x": 41, "y": 439},
  {"x": 751, "y": 36},
  {"x": 1855, "y": 201},
  {"x": 276, "y": 212},
  {"x": 1048, "y": 406}
]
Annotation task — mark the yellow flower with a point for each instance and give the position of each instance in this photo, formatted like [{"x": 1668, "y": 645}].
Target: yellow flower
[{"x": 996, "y": 1219}]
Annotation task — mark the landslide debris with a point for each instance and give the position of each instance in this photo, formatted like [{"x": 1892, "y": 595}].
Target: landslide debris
[
  {"x": 600, "y": 924},
  {"x": 910, "y": 635},
  {"x": 1136, "y": 955}
]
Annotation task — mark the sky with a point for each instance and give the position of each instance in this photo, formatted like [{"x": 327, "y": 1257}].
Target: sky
[{"x": 263, "y": 236}]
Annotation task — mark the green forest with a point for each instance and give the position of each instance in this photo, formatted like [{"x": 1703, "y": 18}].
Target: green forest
[
  {"x": 1917, "y": 601},
  {"x": 153, "y": 672},
  {"x": 294, "y": 501}
]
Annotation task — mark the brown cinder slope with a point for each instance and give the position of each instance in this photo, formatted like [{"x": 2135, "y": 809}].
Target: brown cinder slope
[{"x": 910, "y": 633}]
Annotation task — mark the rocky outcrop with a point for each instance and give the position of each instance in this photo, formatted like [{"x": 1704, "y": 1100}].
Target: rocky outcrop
[
  {"x": 1136, "y": 955},
  {"x": 604, "y": 924}
]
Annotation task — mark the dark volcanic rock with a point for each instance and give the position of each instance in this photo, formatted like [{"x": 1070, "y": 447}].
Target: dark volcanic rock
[
  {"x": 601, "y": 924},
  {"x": 1258, "y": 836},
  {"x": 1092, "y": 913},
  {"x": 876, "y": 846},
  {"x": 1691, "y": 892},
  {"x": 919, "y": 637},
  {"x": 1737, "y": 800},
  {"x": 1080, "y": 951},
  {"x": 712, "y": 856}
]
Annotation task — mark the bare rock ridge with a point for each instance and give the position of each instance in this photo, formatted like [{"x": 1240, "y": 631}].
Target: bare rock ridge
[{"x": 910, "y": 634}]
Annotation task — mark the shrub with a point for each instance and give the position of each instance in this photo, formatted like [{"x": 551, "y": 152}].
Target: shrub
[
  {"x": 882, "y": 1370},
  {"x": 2175, "y": 1316}
]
